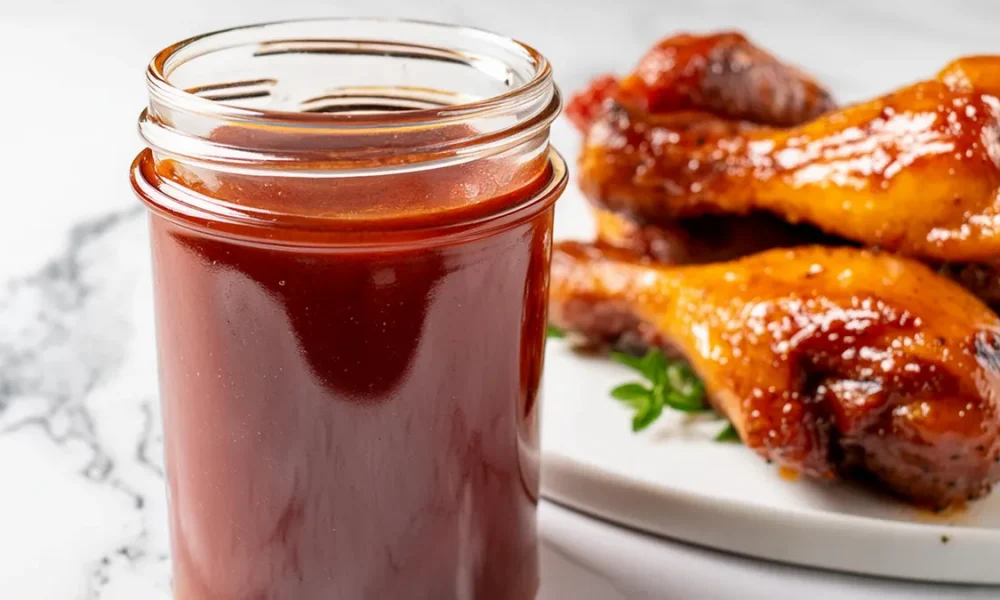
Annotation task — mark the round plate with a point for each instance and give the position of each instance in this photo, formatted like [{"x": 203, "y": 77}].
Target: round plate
[{"x": 674, "y": 480}]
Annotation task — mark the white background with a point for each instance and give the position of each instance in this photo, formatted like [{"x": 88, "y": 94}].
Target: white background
[{"x": 71, "y": 86}]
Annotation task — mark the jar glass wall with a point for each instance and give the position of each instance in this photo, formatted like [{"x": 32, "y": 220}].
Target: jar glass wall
[{"x": 350, "y": 225}]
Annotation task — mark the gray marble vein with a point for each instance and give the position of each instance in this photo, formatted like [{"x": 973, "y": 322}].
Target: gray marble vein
[{"x": 66, "y": 333}]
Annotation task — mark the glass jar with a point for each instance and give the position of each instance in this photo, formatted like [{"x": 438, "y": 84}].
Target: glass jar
[{"x": 351, "y": 224}]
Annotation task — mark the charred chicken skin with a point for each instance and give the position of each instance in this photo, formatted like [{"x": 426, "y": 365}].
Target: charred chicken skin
[
  {"x": 705, "y": 239},
  {"x": 708, "y": 239},
  {"x": 722, "y": 73},
  {"x": 700, "y": 78},
  {"x": 826, "y": 360},
  {"x": 915, "y": 172}
]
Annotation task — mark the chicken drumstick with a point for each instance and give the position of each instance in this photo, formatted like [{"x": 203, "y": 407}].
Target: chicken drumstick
[
  {"x": 826, "y": 360},
  {"x": 916, "y": 171}
]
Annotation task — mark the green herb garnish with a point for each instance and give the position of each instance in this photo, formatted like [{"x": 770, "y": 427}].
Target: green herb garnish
[
  {"x": 669, "y": 383},
  {"x": 728, "y": 434},
  {"x": 554, "y": 332}
]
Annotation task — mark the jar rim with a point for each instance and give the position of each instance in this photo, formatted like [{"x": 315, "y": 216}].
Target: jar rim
[
  {"x": 246, "y": 228},
  {"x": 162, "y": 90}
]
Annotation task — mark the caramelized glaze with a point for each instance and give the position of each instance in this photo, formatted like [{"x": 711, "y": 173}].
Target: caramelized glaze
[
  {"x": 916, "y": 171},
  {"x": 722, "y": 73},
  {"x": 826, "y": 360},
  {"x": 714, "y": 238}
]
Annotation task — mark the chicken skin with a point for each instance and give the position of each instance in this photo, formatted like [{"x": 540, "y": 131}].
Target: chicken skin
[
  {"x": 705, "y": 239},
  {"x": 829, "y": 361},
  {"x": 722, "y": 73},
  {"x": 915, "y": 172}
]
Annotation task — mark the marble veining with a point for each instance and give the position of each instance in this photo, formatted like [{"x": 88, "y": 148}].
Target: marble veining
[{"x": 67, "y": 356}]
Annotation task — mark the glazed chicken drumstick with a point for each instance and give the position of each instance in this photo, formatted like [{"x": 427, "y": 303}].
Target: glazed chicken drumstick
[
  {"x": 716, "y": 238},
  {"x": 701, "y": 78},
  {"x": 826, "y": 360},
  {"x": 916, "y": 171},
  {"x": 721, "y": 73}
]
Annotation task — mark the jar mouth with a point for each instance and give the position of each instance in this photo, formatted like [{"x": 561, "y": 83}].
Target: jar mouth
[
  {"x": 357, "y": 89},
  {"x": 167, "y": 60}
]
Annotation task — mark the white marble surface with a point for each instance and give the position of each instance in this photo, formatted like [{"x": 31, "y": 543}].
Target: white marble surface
[{"x": 81, "y": 493}]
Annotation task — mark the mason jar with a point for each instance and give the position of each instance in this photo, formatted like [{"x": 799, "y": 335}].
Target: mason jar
[{"x": 350, "y": 223}]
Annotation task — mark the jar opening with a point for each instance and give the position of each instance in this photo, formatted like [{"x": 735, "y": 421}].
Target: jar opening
[{"x": 337, "y": 91}]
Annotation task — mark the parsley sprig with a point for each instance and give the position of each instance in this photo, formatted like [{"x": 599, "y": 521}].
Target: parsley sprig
[
  {"x": 554, "y": 332},
  {"x": 729, "y": 434},
  {"x": 669, "y": 384}
]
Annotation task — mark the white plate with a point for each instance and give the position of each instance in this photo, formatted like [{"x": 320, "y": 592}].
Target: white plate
[{"x": 675, "y": 480}]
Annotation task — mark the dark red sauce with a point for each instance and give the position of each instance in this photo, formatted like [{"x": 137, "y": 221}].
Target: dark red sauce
[{"x": 351, "y": 412}]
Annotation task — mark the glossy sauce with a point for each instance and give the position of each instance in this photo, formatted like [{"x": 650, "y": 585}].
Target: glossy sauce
[
  {"x": 852, "y": 173},
  {"x": 828, "y": 361},
  {"x": 352, "y": 413}
]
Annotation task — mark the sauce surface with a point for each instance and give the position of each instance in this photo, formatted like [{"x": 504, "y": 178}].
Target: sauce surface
[{"x": 351, "y": 422}]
